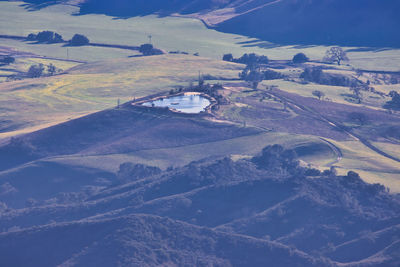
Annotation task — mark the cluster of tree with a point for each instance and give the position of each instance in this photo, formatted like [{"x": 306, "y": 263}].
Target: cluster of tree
[
  {"x": 316, "y": 75},
  {"x": 206, "y": 88},
  {"x": 53, "y": 37},
  {"x": 248, "y": 59},
  {"x": 129, "y": 172},
  {"x": 272, "y": 75},
  {"x": 393, "y": 104},
  {"x": 7, "y": 60},
  {"x": 46, "y": 37},
  {"x": 149, "y": 50},
  {"x": 253, "y": 74},
  {"x": 356, "y": 91},
  {"x": 277, "y": 158},
  {"x": 36, "y": 71}
]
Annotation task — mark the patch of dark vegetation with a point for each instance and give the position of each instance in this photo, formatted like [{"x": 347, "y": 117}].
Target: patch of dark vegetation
[
  {"x": 48, "y": 37},
  {"x": 35, "y": 71},
  {"x": 6, "y": 59},
  {"x": 129, "y": 172},
  {"x": 393, "y": 104},
  {"x": 317, "y": 75},
  {"x": 79, "y": 40},
  {"x": 149, "y": 50},
  {"x": 300, "y": 58},
  {"x": 178, "y": 52},
  {"x": 392, "y": 131},
  {"x": 247, "y": 59},
  {"x": 272, "y": 75}
]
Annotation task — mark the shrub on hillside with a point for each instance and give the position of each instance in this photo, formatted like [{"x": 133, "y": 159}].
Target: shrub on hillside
[
  {"x": 300, "y": 58},
  {"x": 35, "y": 71},
  {"x": 272, "y": 75},
  {"x": 253, "y": 76},
  {"x": 149, "y": 50},
  {"x": 79, "y": 40},
  {"x": 227, "y": 57},
  {"x": 252, "y": 59},
  {"x": 130, "y": 172},
  {"x": 394, "y": 103},
  {"x": 7, "y": 60},
  {"x": 31, "y": 37},
  {"x": 276, "y": 158},
  {"x": 358, "y": 117},
  {"x": 316, "y": 75},
  {"x": 318, "y": 94}
]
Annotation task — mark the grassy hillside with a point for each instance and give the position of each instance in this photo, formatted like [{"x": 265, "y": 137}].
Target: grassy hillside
[{"x": 30, "y": 103}]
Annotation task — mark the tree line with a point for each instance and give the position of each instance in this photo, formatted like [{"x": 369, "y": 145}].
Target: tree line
[{"x": 51, "y": 37}]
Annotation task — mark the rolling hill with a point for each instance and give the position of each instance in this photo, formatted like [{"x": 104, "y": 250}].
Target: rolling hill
[
  {"x": 373, "y": 23},
  {"x": 218, "y": 212}
]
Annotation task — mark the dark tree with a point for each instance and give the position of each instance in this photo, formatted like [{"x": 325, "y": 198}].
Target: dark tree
[
  {"x": 252, "y": 60},
  {"x": 31, "y": 37},
  {"x": 312, "y": 75},
  {"x": 35, "y": 71},
  {"x": 58, "y": 38},
  {"x": 51, "y": 69},
  {"x": 7, "y": 60},
  {"x": 228, "y": 57},
  {"x": 146, "y": 49},
  {"x": 335, "y": 55},
  {"x": 79, "y": 40},
  {"x": 318, "y": 94},
  {"x": 358, "y": 117},
  {"x": 272, "y": 75},
  {"x": 45, "y": 37},
  {"x": 253, "y": 76},
  {"x": 356, "y": 90},
  {"x": 130, "y": 172},
  {"x": 275, "y": 157},
  {"x": 300, "y": 58},
  {"x": 395, "y": 102}
]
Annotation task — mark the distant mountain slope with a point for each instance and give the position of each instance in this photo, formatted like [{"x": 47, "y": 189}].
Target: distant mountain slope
[
  {"x": 140, "y": 7},
  {"x": 222, "y": 212},
  {"x": 142, "y": 240},
  {"x": 343, "y": 22},
  {"x": 329, "y": 22}
]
